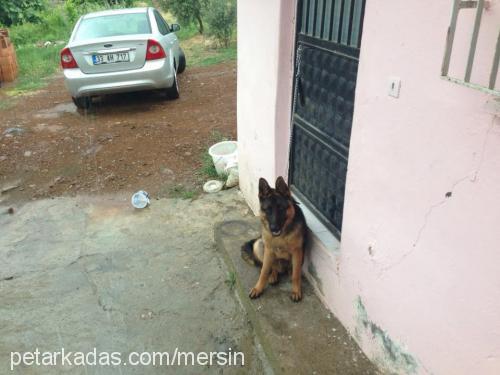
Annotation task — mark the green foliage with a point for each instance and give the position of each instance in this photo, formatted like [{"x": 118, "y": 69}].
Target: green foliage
[
  {"x": 25, "y": 33},
  {"x": 52, "y": 25},
  {"x": 186, "y": 11},
  {"x": 220, "y": 15},
  {"x": 182, "y": 192},
  {"x": 56, "y": 24},
  {"x": 34, "y": 65},
  {"x": 187, "y": 31},
  {"x": 72, "y": 10},
  {"x": 104, "y": 3},
  {"x": 19, "y": 11}
]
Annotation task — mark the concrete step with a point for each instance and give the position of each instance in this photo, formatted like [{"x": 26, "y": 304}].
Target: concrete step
[{"x": 297, "y": 338}]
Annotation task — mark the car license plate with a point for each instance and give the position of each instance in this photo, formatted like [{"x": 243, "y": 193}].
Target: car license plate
[{"x": 110, "y": 58}]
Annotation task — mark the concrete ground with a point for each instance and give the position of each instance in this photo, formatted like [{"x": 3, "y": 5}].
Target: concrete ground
[
  {"x": 298, "y": 338},
  {"x": 84, "y": 272},
  {"x": 91, "y": 272}
]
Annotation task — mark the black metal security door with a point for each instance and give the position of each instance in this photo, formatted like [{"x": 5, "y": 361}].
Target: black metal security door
[{"x": 327, "y": 54}]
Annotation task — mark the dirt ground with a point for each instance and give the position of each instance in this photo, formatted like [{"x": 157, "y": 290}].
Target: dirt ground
[{"x": 127, "y": 142}]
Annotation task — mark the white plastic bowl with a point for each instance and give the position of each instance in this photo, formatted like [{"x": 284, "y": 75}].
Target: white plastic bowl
[
  {"x": 212, "y": 186},
  {"x": 223, "y": 154}
]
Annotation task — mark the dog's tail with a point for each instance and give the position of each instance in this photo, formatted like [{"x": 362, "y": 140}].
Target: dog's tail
[{"x": 252, "y": 252}]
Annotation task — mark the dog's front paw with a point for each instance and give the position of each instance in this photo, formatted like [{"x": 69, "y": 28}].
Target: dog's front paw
[
  {"x": 296, "y": 296},
  {"x": 255, "y": 293}
]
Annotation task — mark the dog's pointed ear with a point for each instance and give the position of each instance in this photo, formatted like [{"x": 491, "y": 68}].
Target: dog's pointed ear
[
  {"x": 282, "y": 187},
  {"x": 264, "y": 188}
]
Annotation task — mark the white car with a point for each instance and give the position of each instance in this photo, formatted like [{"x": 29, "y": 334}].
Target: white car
[{"x": 120, "y": 51}]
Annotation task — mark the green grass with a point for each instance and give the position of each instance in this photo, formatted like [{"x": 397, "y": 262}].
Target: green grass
[
  {"x": 199, "y": 55},
  {"x": 35, "y": 65},
  {"x": 231, "y": 280},
  {"x": 182, "y": 192},
  {"x": 218, "y": 56},
  {"x": 207, "y": 169},
  {"x": 193, "y": 44}
]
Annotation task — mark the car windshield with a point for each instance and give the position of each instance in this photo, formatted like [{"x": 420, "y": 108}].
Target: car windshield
[{"x": 113, "y": 25}]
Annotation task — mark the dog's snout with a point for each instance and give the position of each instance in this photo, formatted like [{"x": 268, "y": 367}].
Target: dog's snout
[{"x": 275, "y": 230}]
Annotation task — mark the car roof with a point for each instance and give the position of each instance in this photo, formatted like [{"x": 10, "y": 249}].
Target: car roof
[{"x": 112, "y": 12}]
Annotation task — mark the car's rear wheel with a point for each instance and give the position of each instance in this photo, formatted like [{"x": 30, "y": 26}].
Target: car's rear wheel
[
  {"x": 173, "y": 91},
  {"x": 83, "y": 102},
  {"x": 182, "y": 62}
]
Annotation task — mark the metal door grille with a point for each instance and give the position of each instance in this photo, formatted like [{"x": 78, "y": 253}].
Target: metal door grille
[{"x": 328, "y": 41}]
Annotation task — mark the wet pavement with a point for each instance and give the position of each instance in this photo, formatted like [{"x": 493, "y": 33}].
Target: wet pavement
[{"x": 92, "y": 272}]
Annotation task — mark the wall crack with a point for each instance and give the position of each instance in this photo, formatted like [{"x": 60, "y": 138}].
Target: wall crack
[{"x": 471, "y": 177}]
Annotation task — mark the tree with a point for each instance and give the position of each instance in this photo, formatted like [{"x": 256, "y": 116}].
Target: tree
[
  {"x": 186, "y": 11},
  {"x": 110, "y": 3},
  {"x": 220, "y": 15},
  {"x": 19, "y": 11}
]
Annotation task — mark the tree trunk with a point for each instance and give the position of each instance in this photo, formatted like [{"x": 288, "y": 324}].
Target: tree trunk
[{"x": 200, "y": 23}]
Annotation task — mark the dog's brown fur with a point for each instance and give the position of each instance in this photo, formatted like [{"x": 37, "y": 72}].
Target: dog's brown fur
[{"x": 283, "y": 250}]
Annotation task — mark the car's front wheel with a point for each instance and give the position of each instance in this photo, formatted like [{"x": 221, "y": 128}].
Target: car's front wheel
[
  {"x": 173, "y": 91},
  {"x": 83, "y": 102}
]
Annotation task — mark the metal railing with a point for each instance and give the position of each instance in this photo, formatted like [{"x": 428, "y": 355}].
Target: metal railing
[{"x": 479, "y": 5}]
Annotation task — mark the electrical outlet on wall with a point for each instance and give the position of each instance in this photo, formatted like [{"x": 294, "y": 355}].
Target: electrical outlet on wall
[{"x": 394, "y": 86}]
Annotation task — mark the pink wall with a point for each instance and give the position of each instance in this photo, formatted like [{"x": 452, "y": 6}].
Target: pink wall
[
  {"x": 265, "y": 69},
  {"x": 417, "y": 276}
]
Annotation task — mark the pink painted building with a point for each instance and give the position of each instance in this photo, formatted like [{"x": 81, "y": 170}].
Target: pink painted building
[{"x": 395, "y": 155}]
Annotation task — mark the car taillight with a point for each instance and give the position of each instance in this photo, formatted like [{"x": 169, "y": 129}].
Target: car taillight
[
  {"x": 154, "y": 50},
  {"x": 67, "y": 59}
]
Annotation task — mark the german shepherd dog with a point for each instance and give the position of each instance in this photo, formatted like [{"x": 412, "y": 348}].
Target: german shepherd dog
[{"x": 281, "y": 247}]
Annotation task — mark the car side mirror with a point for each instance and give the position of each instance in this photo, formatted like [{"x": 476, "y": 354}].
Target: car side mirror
[{"x": 175, "y": 27}]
